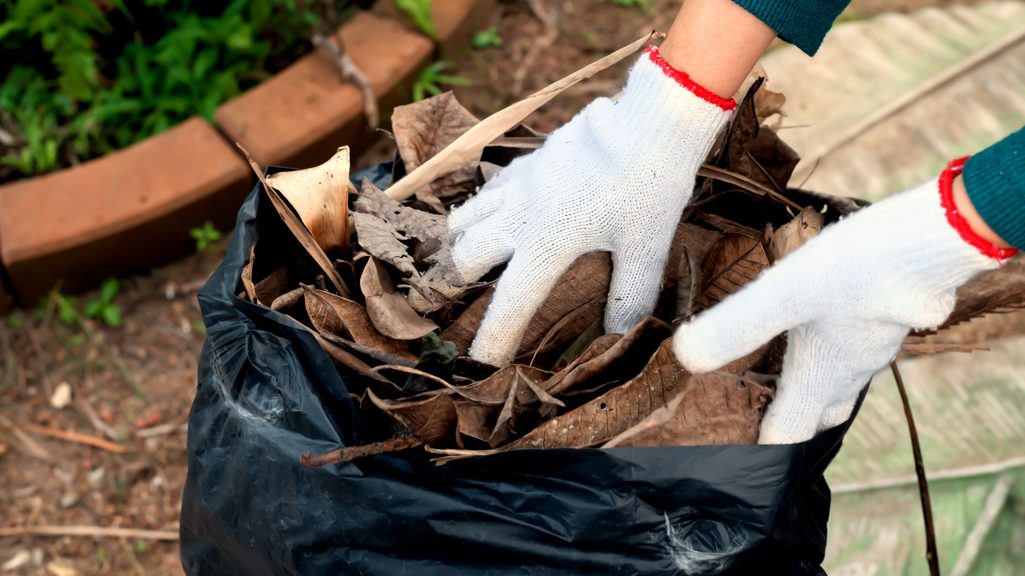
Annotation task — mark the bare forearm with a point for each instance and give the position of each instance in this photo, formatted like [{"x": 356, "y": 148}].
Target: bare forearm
[{"x": 716, "y": 43}]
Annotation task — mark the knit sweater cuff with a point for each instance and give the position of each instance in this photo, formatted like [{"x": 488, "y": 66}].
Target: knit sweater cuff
[
  {"x": 995, "y": 180},
  {"x": 803, "y": 23}
]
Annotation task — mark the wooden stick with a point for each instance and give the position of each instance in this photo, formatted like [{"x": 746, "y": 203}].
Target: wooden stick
[
  {"x": 71, "y": 437},
  {"x": 348, "y": 453},
  {"x": 93, "y": 531},
  {"x": 483, "y": 133},
  {"x": 931, "y": 550}
]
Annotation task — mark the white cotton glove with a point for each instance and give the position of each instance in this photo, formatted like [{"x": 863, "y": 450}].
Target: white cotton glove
[
  {"x": 615, "y": 178},
  {"x": 848, "y": 298}
]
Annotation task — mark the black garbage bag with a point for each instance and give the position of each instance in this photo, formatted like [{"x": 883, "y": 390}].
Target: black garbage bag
[{"x": 267, "y": 393}]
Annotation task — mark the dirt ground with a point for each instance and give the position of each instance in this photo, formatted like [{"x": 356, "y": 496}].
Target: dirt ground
[{"x": 134, "y": 385}]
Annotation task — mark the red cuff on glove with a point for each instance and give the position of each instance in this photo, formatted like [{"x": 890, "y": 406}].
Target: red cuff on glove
[
  {"x": 687, "y": 82},
  {"x": 958, "y": 222}
]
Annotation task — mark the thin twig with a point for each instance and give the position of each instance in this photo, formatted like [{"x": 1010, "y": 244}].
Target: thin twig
[
  {"x": 930, "y": 348},
  {"x": 76, "y": 437},
  {"x": 931, "y": 550},
  {"x": 87, "y": 410},
  {"x": 29, "y": 445},
  {"x": 349, "y": 453},
  {"x": 349, "y": 71},
  {"x": 746, "y": 184},
  {"x": 90, "y": 531}
]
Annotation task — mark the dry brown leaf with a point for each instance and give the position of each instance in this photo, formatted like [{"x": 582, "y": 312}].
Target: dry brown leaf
[
  {"x": 508, "y": 417},
  {"x": 383, "y": 226},
  {"x": 576, "y": 302},
  {"x": 474, "y": 419},
  {"x": 335, "y": 316},
  {"x": 247, "y": 276},
  {"x": 432, "y": 420},
  {"x": 734, "y": 261},
  {"x": 349, "y": 362},
  {"x": 320, "y": 195},
  {"x": 422, "y": 130},
  {"x": 468, "y": 146},
  {"x": 712, "y": 409},
  {"x": 297, "y": 228},
  {"x": 462, "y": 330},
  {"x": 274, "y": 285},
  {"x": 615, "y": 411},
  {"x": 690, "y": 246},
  {"x": 288, "y": 299},
  {"x": 769, "y": 105},
  {"x": 995, "y": 291},
  {"x": 610, "y": 358},
  {"x": 494, "y": 389},
  {"x": 756, "y": 153},
  {"x": 794, "y": 234},
  {"x": 389, "y": 311}
]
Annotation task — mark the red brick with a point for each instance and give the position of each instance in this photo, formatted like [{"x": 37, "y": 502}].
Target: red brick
[
  {"x": 122, "y": 213},
  {"x": 304, "y": 113}
]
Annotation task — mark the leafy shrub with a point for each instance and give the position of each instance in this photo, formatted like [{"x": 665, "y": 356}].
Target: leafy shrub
[{"x": 80, "y": 81}]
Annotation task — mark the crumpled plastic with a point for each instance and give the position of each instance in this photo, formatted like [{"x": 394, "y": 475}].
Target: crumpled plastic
[{"x": 267, "y": 393}]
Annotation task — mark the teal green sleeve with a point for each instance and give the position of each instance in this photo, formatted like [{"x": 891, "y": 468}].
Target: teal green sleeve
[
  {"x": 995, "y": 180},
  {"x": 803, "y": 23}
]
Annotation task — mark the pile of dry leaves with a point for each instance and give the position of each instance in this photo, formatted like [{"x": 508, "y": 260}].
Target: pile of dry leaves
[{"x": 366, "y": 275}]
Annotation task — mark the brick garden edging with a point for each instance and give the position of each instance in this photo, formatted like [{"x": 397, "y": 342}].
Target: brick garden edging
[{"x": 131, "y": 210}]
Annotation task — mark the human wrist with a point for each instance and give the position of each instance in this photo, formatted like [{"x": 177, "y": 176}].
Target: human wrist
[
  {"x": 962, "y": 215},
  {"x": 964, "y": 206}
]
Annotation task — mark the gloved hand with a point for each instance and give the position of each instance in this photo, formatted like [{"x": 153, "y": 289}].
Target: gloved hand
[
  {"x": 848, "y": 298},
  {"x": 615, "y": 178}
]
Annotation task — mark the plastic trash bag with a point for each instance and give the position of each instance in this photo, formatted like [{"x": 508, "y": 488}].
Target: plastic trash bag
[{"x": 267, "y": 393}]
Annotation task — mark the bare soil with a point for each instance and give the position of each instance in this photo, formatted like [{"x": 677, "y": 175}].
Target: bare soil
[{"x": 56, "y": 482}]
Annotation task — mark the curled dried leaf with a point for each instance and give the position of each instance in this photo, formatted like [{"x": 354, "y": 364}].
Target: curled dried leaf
[
  {"x": 792, "y": 235},
  {"x": 247, "y": 276},
  {"x": 432, "y": 420},
  {"x": 296, "y": 227},
  {"x": 336, "y": 317},
  {"x": 320, "y": 195},
  {"x": 388, "y": 310}
]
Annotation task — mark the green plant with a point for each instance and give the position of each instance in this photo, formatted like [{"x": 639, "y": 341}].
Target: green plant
[
  {"x": 205, "y": 235},
  {"x": 84, "y": 78},
  {"x": 104, "y": 308},
  {"x": 489, "y": 38},
  {"x": 433, "y": 78},
  {"x": 646, "y": 4},
  {"x": 13, "y": 320},
  {"x": 419, "y": 11},
  {"x": 67, "y": 313}
]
